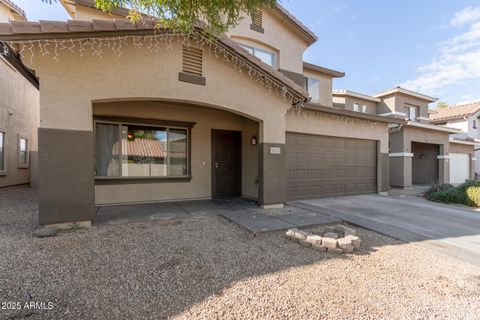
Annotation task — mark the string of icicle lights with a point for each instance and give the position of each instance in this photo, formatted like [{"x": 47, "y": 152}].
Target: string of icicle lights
[{"x": 96, "y": 46}]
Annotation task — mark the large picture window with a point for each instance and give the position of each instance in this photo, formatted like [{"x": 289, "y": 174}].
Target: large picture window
[{"x": 136, "y": 150}]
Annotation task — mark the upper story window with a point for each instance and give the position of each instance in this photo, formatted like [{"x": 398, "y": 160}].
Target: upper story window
[
  {"x": 360, "y": 108},
  {"x": 313, "y": 88},
  {"x": 411, "y": 113},
  {"x": 474, "y": 124},
  {"x": 266, "y": 56}
]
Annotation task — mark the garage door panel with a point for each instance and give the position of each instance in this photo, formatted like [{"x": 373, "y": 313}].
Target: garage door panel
[{"x": 329, "y": 166}]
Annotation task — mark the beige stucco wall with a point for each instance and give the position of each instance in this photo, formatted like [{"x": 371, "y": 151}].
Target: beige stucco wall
[
  {"x": 155, "y": 76},
  {"x": 201, "y": 162},
  {"x": 87, "y": 13},
  {"x": 325, "y": 82},
  {"x": 5, "y": 14},
  {"x": 312, "y": 122},
  {"x": 396, "y": 102},
  {"x": 346, "y": 102},
  {"x": 278, "y": 35},
  {"x": 19, "y": 116},
  {"x": 401, "y": 142}
]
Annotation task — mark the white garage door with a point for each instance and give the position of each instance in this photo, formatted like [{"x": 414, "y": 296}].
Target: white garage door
[{"x": 459, "y": 167}]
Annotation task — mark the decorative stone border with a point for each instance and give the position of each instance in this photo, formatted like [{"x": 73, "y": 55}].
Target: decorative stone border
[{"x": 337, "y": 239}]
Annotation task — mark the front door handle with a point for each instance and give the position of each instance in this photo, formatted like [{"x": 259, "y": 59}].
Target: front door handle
[{"x": 217, "y": 165}]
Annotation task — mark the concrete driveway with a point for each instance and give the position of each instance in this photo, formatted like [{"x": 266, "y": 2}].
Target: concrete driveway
[{"x": 449, "y": 229}]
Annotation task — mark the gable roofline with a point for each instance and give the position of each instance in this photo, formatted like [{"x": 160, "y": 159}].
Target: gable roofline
[
  {"x": 46, "y": 30},
  {"x": 406, "y": 92},
  {"x": 455, "y": 112},
  {"x": 12, "y": 6},
  {"x": 308, "y": 34},
  {"x": 355, "y": 95},
  {"x": 330, "y": 72}
]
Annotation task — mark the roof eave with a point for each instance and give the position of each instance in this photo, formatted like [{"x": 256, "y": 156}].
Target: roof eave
[{"x": 317, "y": 68}]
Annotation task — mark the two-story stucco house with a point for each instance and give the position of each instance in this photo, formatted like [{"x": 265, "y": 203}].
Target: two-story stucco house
[
  {"x": 466, "y": 119},
  {"x": 19, "y": 111},
  {"x": 133, "y": 114},
  {"x": 420, "y": 150}
]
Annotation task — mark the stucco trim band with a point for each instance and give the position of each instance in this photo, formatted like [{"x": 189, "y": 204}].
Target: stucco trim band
[
  {"x": 393, "y": 113},
  {"x": 400, "y": 154},
  {"x": 446, "y": 156}
]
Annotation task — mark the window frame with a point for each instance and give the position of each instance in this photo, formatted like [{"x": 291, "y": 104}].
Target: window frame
[
  {"x": 474, "y": 123},
  {"x": 358, "y": 105},
  {"x": 407, "y": 114},
  {"x": 166, "y": 124},
  {"x": 22, "y": 165},
  {"x": 272, "y": 53},
  {"x": 307, "y": 87},
  {"x": 4, "y": 141},
  {"x": 364, "y": 108}
]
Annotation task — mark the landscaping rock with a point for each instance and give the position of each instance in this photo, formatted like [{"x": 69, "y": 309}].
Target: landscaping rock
[
  {"x": 45, "y": 232},
  {"x": 332, "y": 235},
  {"x": 329, "y": 243},
  {"x": 314, "y": 239},
  {"x": 345, "y": 230},
  {"x": 301, "y": 235},
  {"x": 348, "y": 248},
  {"x": 291, "y": 233},
  {"x": 355, "y": 241},
  {"x": 344, "y": 242}
]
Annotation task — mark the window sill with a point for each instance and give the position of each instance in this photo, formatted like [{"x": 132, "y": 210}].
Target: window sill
[
  {"x": 22, "y": 166},
  {"x": 3, "y": 173},
  {"x": 257, "y": 28},
  {"x": 192, "y": 78},
  {"x": 139, "y": 180}
]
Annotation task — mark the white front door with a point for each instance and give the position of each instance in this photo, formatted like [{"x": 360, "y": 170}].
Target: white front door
[{"x": 459, "y": 167}]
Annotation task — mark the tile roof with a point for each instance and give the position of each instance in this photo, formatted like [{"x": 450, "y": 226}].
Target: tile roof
[
  {"x": 14, "y": 7},
  {"x": 141, "y": 147},
  {"x": 280, "y": 9},
  {"x": 454, "y": 112},
  {"x": 24, "y": 31}
]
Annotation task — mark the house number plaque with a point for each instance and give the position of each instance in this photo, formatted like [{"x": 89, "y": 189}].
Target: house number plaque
[{"x": 275, "y": 150}]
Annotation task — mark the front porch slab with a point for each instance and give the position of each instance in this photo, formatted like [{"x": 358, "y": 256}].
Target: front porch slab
[{"x": 245, "y": 213}]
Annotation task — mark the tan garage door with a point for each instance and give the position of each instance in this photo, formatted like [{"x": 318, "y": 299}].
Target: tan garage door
[{"x": 321, "y": 166}]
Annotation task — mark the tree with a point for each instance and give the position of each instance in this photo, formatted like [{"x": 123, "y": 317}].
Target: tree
[
  {"x": 217, "y": 16},
  {"x": 442, "y": 104}
]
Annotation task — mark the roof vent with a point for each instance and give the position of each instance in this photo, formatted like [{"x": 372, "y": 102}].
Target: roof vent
[
  {"x": 257, "y": 21},
  {"x": 192, "y": 60}
]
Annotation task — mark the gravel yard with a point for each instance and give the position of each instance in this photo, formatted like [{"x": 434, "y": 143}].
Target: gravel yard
[{"x": 207, "y": 268}]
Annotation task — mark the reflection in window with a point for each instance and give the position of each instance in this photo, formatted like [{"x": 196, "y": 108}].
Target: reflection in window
[
  {"x": 140, "y": 151},
  {"x": 2, "y": 151},
  {"x": 313, "y": 88},
  {"x": 266, "y": 56}
]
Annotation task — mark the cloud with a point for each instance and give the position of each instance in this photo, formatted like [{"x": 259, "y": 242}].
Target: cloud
[
  {"x": 465, "y": 16},
  {"x": 457, "y": 59}
]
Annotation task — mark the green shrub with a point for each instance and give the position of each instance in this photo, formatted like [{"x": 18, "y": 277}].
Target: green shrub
[
  {"x": 468, "y": 193},
  {"x": 435, "y": 187}
]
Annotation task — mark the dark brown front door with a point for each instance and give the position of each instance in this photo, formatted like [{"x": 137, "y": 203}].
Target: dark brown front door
[{"x": 226, "y": 164}]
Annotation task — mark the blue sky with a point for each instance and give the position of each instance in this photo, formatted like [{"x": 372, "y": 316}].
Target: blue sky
[{"x": 431, "y": 46}]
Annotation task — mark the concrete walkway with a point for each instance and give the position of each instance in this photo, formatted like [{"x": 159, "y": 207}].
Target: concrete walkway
[
  {"x": 243, "y": 212},
  {"x": 449, "y": 229}
]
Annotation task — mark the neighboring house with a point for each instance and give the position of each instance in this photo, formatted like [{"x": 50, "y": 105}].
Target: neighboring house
[
  {"x": 19, "y": 112},
  {"x": 465, "y": 118},
  {"x": 420, "y": 152},
  {"x": 236, "y": 107}
]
